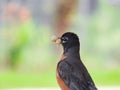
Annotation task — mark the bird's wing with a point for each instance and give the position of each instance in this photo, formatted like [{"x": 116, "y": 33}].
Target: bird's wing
[{"x": 73, "y": 78}]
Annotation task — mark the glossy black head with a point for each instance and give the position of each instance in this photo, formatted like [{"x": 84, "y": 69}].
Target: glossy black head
[{"x": 70, "y": 40}]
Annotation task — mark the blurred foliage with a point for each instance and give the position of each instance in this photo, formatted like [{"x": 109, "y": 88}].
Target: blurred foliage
[{"x": 24, "y": 37}]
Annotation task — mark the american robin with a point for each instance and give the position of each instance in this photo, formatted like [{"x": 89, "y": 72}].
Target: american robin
[{"x": 71, "y": 73}]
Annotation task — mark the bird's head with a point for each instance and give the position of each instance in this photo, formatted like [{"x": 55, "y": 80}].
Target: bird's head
[{"x": 68, "y": 40}]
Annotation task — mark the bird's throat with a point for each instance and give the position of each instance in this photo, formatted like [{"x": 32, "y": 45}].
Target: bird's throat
[{"x": 74, "y": 51}]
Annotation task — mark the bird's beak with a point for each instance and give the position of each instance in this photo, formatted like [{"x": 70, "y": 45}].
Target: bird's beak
[{"x": 56, "y": 39}]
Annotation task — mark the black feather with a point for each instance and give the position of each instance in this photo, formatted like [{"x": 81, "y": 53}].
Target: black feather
[{"x": 72, "y": 70}]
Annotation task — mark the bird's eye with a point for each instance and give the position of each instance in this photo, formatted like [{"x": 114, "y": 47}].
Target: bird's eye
[{"x": 64, "y": 39}]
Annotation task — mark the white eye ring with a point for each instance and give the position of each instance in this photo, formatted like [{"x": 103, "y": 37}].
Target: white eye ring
[{"x": 64, "y": 39}]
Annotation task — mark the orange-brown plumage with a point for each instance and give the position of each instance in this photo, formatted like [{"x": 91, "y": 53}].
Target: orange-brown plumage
[{"x": 61, "y": 83}]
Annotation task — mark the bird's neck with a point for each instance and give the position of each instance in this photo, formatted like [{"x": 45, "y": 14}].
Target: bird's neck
[{"x": 73, "y": 51}]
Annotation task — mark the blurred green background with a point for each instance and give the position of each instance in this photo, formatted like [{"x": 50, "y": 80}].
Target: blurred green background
[{"x": 29, "y": 59}]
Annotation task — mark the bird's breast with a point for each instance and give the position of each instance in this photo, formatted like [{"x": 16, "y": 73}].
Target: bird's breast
[{"x": 61, "y": 83}]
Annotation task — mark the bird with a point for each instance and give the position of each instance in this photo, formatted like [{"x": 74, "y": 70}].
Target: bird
[{"x": 71, "y": 73}]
